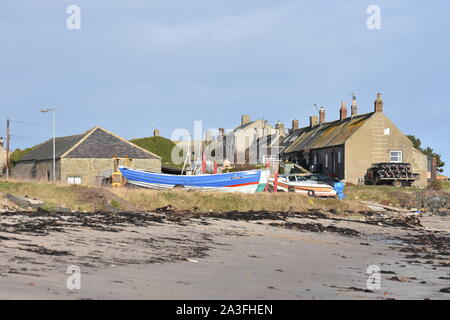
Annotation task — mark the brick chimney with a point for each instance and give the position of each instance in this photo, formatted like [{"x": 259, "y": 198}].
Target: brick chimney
[
  {"x": 156, "y": 133},
  {"x": 313, "y": 121},
  {"x": 343, "y": 111},
  {"x": 322, "y": 115},
  {"x": 245, "y": 119},
  {"x": 354, "y": 106},
  {"x": 294, "y": 125},
  {"x": 378, "y": 104}
]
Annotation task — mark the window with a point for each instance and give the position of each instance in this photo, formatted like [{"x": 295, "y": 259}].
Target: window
[
  {"x": 74, "y": 180},
  {"x": 315, "y": 159},
  {"x": 339, "y": 157},
  {"x": 396, "y": 156},
  {"x": 326, "y": 160},
  {"x": 387, "y": 131}
]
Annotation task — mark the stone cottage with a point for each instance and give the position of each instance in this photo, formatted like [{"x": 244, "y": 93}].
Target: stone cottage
[
  {"x": 238, "y": 146},
  {"x": 347, "y": 147},
  {"x": 86, "y": 158}
]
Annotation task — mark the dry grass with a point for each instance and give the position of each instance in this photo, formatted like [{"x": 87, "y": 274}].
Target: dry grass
[
  {"x": 85, "y": 198},
  {"x": 53, "y": 194},
  {"x": 446, "y": 185},
  {"x": 386, "y": 195},
  {"x": 224, "y": 202}
]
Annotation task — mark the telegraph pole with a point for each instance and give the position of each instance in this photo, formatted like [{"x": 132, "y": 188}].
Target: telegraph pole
[{"x": 8, "y": 138}]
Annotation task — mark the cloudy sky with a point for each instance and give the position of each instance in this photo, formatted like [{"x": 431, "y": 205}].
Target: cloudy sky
[{"x": 137, "y": 65}]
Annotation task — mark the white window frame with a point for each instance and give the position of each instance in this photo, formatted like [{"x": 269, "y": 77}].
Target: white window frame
[
  {"x": 387, "y": 131},
  {"x": 400, "y": 156}
]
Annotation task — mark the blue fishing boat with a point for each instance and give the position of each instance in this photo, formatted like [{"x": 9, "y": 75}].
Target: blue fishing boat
[{"x": 250, "y": 181}]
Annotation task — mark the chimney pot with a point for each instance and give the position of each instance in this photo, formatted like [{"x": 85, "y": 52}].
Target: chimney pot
[
  {"x": 378, "y": 104},
  {"x": 354, "y": 106},
  {"x": 322, "y": 115},
  {"x": 343, "y": 111},
  {"x": 156, "y": 133},
  {"x": 294, "y": 125}
]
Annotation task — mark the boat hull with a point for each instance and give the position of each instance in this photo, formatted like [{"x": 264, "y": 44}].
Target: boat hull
[
  {"x": 244, "y": 181},
  {"x": 307, "y": 189}
]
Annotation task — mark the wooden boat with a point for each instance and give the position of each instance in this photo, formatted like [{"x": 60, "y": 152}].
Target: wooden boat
[
  {"x": 296, "y": 183},
  {"x": 250, "y": 181}
]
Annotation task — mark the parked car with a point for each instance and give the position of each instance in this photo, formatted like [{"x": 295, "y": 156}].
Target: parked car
[{"x": 322, "y": 178}]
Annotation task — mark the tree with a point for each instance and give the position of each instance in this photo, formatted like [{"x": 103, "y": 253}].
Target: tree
[{"x": 428, "y": 151}]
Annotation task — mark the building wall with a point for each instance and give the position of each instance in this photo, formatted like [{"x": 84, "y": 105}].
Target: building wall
[
  {"x": 325, "y": 158},
  {"x": 36, "y": 170},
  {"x": 419, "y": 164},
  {"x": 2, "y": 159},
  {"x": 241, "y": 142},
  {"x": 372, "y": 143},
  {"x": 316, "y": 160},
  {"x": 89, "y": 170}
]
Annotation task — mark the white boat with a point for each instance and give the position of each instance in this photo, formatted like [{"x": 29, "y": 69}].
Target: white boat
[{"x": 299, "y": 184}]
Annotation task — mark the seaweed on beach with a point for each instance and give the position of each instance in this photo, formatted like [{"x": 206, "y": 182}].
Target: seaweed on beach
[{"x": 317, "y": 227}]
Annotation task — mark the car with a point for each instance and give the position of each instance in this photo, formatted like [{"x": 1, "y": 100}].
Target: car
[{"x": 321, "y": 178}]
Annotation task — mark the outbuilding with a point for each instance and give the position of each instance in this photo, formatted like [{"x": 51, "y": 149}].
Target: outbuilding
[{"x": 86, "y": 158}]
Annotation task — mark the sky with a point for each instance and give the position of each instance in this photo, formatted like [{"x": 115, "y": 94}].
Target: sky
[{"x": 137, "y": 65}]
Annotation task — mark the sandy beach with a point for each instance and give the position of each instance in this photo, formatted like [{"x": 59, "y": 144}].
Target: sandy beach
[{"x": 170, "y": 255}]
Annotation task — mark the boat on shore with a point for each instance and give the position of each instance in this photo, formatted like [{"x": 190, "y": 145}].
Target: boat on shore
[
  {"x": 250, "y": 181},
  {"x": 299, "y": 184}
]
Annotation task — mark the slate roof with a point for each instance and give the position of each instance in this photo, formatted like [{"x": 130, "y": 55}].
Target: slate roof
[
  {"x": 245, "y": 126},
  {"x": 101, "y": 144},
  {"x": 44, "y": 151},
  {"x": 96, "y": 143},
  {"x": 325, "y": 135}
]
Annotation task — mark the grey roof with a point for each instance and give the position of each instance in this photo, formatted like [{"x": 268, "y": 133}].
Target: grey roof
[
  {"x": 105, "y": 145},
  {"x": 98, "y": 144},
  {"x": 44, "y": 151},
  {"x": 324, "y": 135}
]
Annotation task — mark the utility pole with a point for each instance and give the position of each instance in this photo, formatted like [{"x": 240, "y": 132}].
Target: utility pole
[
  {"x": 8, "y": 138},
  {"x": 54, "y": 139}
]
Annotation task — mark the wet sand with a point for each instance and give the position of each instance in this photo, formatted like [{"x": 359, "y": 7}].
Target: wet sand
[{"x": 176, "y": 256}]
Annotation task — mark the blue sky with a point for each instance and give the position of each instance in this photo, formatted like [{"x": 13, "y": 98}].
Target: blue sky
[{"x": 137, "y": 65}]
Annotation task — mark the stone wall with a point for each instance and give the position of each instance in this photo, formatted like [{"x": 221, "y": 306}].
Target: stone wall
[
  {"x": 36, "y": 170},
  {"x": 91, "y": 170},
  {"x": 419, "y": 164},
  {"x": 2, "y": 159},
  {"x": 372, "y": 143}
]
